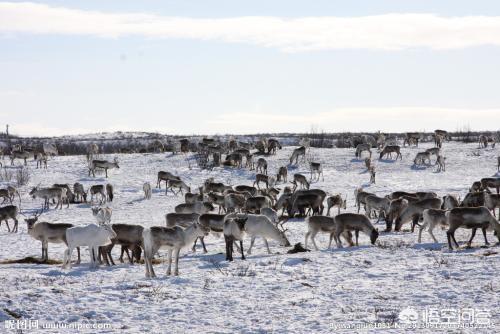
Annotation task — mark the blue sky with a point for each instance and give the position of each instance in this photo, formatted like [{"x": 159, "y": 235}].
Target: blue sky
[{"x": 209, "y": 67}]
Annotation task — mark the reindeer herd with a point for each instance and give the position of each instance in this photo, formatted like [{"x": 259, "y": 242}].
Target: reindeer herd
[{"x": 239, "y": 212}]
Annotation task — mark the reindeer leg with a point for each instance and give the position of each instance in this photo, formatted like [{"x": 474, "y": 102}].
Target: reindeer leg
[
  {"x": 486, "y": 243},
  {"x": 252, "y": 240},
  {"x": 242, "y": 251},
  {"x": 356, "y": 234},
  {"x": 176, "y": 271},
  {"x": 169, "y": 269},
  {"x": 203, "y": 244},
  {"x": 471, "y": 237}
]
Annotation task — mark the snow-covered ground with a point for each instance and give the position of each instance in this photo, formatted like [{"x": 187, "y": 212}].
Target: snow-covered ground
[{"x": 305, "y": 292}]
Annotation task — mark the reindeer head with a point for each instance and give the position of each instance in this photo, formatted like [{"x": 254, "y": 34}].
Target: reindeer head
[
  {"x": 283, "y": 239},
  {"x": 95, "y": 210},
  {"x": 32, "y": 220},
  {"x": 116, "y": 163}
]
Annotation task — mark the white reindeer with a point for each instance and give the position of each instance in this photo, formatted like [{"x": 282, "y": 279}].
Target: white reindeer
[
  {"x": 92, "y": 236},
  {"x": 146, "y": 187}
]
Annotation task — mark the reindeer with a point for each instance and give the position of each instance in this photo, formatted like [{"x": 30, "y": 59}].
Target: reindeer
[
  {"x": 67, "y": 194},
  {"x": 354, "y": 222},
  {"x": 171, "y": 184},
  {"x": 473, "y": 199},
  {"x": 197, "y": 207},
  {"x": 235, "y": 158},
  {"x": 249, "y": 162},
  {"x": 476, "y": 187},
  {"x": 9, "y": 212},
  {"x": 98, "y": 189},
  {"x": 378, "y": 204},
  {"x": 102, "y": 164},
  {"x": 41, "y": 160},
  {"x": 283, "y": 174},
  {"x": 412, "y": 138},
  {"x": 80, "y": 193},
  {"x": 23, "y": 155},
  {"x": 441, "y": 162},
  {"x": 300, "y": 179},
  {"x": 255, "y": 204},
  {"x": 306, "y": 201},
  {"x": 129, "y": 237},
  {"x": 165, "y": 176},
  {"x": 316, "y": 169},
  {"x": 234, "y": 229},
  {"x": 492, "y": 201},
  {"x": 92, "y": 151},
  {"x": 191, "y": 198},
  {"x": 336, "y": 201},
  {"x": 219, "y": 199},
  {"x": 491, "y": 182},
  {"x": 9, "y": 194},
  {"x": 360, "y": 196},
  {"x": 432, "y": 218},
  {"x": 92, "y": 236},
  {"x": 363, "y": 147},
  {"x": 173, "y": 239},
  {"x": 234, "y": 202},
  {"x": 450, "y": 202},
  {"x": 324, "y": 224},
  {"x": 102, "y": 215},
  {"x": 244, "y": 188},
  {"x": 48, "y": 233},
  {"x": 421, "y": 157},
  {"x": 388, "y": 150},
  {"x": 434, "y": 151},
  {"x": 47, "y": 194},
  {"x": 471, "y": 218},
  {"x": 267, "y": 180},
  {"x": 297, "y": 153},
  {"x": 413, "y": 211},
  {"x": 372, "y": 174},
  {"x": 146, "y": 187},
  {"x": 261, "y": 166},
  {"x": 272, "y": 145},
  {"x": 262, "y": 226}
]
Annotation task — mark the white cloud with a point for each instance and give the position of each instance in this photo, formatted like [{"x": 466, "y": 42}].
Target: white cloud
[{"x": 387, "y": 31}]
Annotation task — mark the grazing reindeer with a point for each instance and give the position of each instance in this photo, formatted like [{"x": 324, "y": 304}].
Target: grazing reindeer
[
  {"x": 432, "y": 218},
  {"x": 372, "y": 174},
  {"x": 412, "y": 138},
  {"x": 300, "y": 179},
  {"x": 272, "y": 145},
  {"x": 110, "y": 192},
  {"x": 441, "y": 162},
  {"x": 363, "y": 147},
  {"x": 92, "y": 236},
  {"x": 413, "y": 211},
  {"x": 267, "y": 180},
  {"x": 102, "y": 164},
  {"x": 316, "y": 169},
  {"x": 421, "y": 157},
  {"x": 245, "y": 188},
  {"x": 98, "y": 189},
  {"x": 249, "y": 162},
  {"x": 235, "y": 159},
  {"x": 80, "y": 193},
  {"x": 234, "y": 229},
  {"x": 146, "y": 187},
  {"x": 473, "y": 199},
  {"x": 9, "y": 194},
  {"x": 283, "y": 173},
  {"x": 9, "y": 212},
  {"x": 261, "y": 166},
  {"x": 165, "y": 176},
  {"x": 297, "y": 153},
  {"x": 171, "y": 184},
  {"x": 302, "y": 202},
  {"x": 47, "y": 232},
  {"x": 388, "y": 150},
  {"x": 354, "y": 222},
  {"x": 326, "y": 224},
  {"x": 471, "y": 218},
  {"x": 173, "y": 239},
  {"x": 192, "y": 198},
  {"x": 234, "y": 202},
  {"x": 102, "y": 215},
  {"x": 336, "y": 201},
  {"x": 381, "y": 205},
  {"x": 262, "y": 226}
]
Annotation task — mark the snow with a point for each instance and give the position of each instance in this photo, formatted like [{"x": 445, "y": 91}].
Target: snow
[{"x": 303, "y": 292}]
